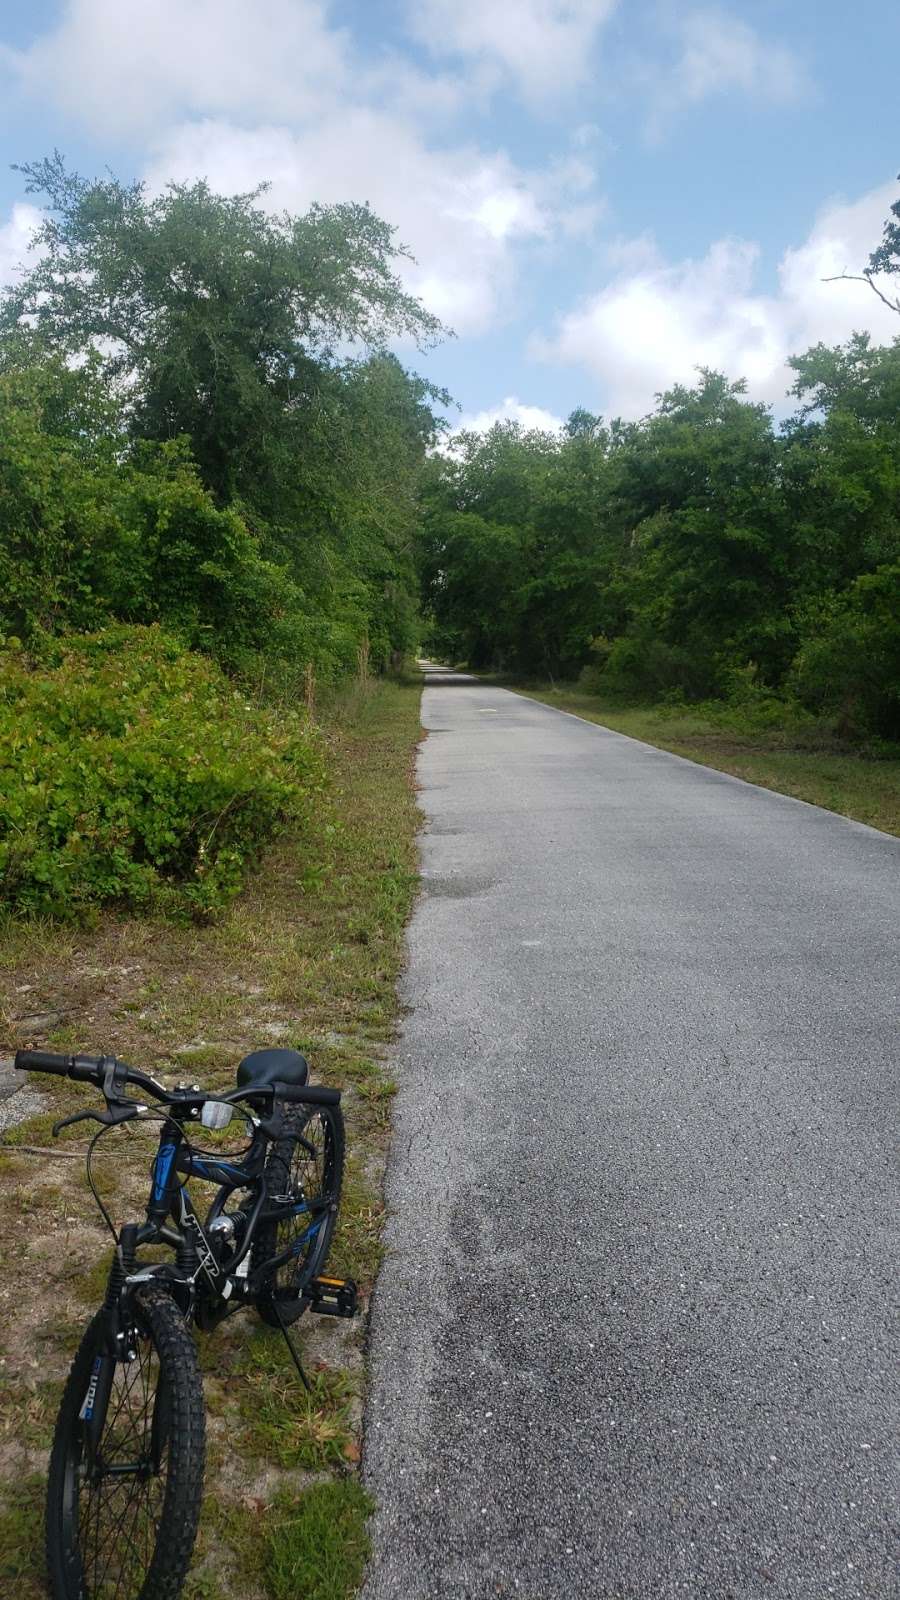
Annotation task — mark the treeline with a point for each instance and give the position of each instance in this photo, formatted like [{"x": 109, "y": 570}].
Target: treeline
[
  {"x": 702, "y": 552},
  {"x": 193, "y": 458}
]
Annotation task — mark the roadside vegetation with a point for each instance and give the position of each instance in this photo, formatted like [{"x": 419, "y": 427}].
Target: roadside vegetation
[
  {"x": 735, "y": 578},
  {"x": 207, "y": 520},
  {"x": 209, "y": 476}
]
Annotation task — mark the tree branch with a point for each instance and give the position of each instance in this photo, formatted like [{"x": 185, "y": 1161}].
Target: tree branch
[{"x": 863, "y": 277}]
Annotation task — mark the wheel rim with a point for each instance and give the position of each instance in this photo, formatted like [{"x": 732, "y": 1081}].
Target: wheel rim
[
  {"x": 112, "y": 1514},
  {"x": 310, "y": 1183}
]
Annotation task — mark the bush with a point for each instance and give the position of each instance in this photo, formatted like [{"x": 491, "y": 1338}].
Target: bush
[
  {"x": 849, "y": 661},
  {"x": 133, "y": 770}
]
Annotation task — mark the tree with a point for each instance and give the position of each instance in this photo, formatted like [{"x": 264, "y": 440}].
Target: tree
[
  {"x": 222, "y": 334},
  {"x": 214, "y": 318}
]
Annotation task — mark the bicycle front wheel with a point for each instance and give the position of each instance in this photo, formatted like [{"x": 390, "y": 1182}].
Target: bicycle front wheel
[{"x": 122, "y": 1509}]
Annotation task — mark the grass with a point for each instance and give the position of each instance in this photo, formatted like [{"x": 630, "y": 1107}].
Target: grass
[
  {"x": 285, "y": 1423},
  {"x": 797, "y": 756},
  {"x": 22, "y": 1539},
  {"x": 319, "y": 1545},
  {"x": 308, "y": 957}
]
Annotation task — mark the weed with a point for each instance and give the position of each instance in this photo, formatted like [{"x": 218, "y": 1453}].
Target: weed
[{"x": 283, "y": 1421}]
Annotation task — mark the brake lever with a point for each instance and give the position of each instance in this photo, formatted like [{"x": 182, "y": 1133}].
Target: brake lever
[{"x": 108, "y": 1118}]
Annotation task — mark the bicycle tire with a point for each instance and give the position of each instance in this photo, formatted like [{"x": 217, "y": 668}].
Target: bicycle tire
[
  {"x": 289, "y": 1170},
  {"x": 100, "y": 1543}
]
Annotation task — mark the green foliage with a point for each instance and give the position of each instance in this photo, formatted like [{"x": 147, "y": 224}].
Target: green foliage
[
  {"x": 211, "y": 310},
  {"x": 132, "y": 770},
  {"x": 690, "y": 555},
  {"x": 886, "y": 256},
  {"x": 699, "y": 553},
  {"x": 849, "y": 658},
  {"x": 236, "y": 480}
]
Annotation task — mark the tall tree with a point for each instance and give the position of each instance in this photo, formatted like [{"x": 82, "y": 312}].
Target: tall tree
[{"x": 214, "y": 317}]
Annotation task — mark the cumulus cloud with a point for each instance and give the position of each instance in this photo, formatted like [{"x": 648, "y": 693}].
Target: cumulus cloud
[
  {"x": 655, "y": 322},
  {"x": 542, "y": 47},
  {"x": 15, "y": 236},
  {"x": 125, "y": 69},
  {"x": 460, "y": 210},
  {"x": 510, "y": 410},
  {"x": 240, "y": 94}
]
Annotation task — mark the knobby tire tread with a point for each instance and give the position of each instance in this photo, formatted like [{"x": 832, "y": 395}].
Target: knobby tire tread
[
  {"x": 278, "y": 1174},
  {"x": 177, "y": 1355}
]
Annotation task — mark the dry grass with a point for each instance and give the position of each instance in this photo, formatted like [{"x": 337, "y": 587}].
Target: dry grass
[{"x": 308, "y": 957}]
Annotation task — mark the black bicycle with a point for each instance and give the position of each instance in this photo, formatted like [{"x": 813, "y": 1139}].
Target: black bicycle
[{"x": 126, "y": 1468}]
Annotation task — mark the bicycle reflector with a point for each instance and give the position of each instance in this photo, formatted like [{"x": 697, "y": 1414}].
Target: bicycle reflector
[{"x": 216, "y": 1114}]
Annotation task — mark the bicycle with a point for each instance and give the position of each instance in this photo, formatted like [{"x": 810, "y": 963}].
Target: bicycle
[{"x": 126, "y": 1467}]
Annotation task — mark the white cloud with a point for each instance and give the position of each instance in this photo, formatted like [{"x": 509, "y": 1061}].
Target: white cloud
[
  {"x": 655, "y": 322},
  {"x": 510, "y": 410},
  {"x": 15, "y": 236},
  {"x": 240, "y": 94},
  {"x": 543, "y": 47},
  {"x": 125, "y": 68},
  {"x": 717, "y": 54},
  {"x": 461, "y": 211}
]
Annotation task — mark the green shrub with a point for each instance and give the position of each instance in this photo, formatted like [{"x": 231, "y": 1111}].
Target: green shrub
[
  {"x": 132, "y": 770},
  {"x": 849, "y": 659}
]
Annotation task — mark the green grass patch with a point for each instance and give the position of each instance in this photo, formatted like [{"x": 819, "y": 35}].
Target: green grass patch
[
  {"x": 22, "y": 1539},
  {"x": 283, "y": 1421},
  {"x": 796, "y": 755},
  {"x": 319, "y": 1545}
]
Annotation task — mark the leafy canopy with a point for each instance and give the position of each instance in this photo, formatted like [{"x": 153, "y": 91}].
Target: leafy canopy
[{"x": 215, "y": 318}]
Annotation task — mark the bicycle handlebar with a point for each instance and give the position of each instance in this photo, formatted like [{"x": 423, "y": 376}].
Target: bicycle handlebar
[
  {"x": 83, "y": 1068},
  {"x": 312, "y": 1094},
  {"x": 92, "y": 1069}
]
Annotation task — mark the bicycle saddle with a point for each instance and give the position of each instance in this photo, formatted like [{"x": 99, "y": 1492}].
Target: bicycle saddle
[{"x": 273, "y": 1066}]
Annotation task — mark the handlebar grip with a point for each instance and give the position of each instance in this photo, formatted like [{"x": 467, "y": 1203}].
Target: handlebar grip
[
  {"x": 85, "y": 1069},
  {"x": 311, "y": 1094},
  {"x": 42, "y": 1061}
]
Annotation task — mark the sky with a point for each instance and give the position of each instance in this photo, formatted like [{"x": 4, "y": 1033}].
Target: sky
[{"x": 600, "y": 195}]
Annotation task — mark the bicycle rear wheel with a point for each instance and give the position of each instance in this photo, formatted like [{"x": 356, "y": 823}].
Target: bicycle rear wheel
[
  {"x": 122, "y": 1520},
  {"x": 306, "y": 1169}
]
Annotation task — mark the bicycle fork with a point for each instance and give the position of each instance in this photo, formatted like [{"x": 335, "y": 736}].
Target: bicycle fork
[{"x": 112, "y": 1350}]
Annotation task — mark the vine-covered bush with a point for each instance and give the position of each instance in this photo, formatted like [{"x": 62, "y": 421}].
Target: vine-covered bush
[{"x": 133, "y": 770}]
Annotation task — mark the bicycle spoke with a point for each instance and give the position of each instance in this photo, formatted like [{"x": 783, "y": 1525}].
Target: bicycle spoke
[
  {"x": 308, "y": 1175},
  {"x": 118, "y": 1513}
]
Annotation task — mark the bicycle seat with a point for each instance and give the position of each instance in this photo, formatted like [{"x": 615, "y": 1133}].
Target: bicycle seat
[{"x": 272, "y": 1066}]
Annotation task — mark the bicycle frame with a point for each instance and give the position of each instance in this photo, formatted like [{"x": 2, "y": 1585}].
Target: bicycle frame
[{"x": 207, "y": 1282}]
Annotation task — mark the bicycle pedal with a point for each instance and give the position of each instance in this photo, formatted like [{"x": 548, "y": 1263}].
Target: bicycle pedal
[{"x": 333, "y": 1297}]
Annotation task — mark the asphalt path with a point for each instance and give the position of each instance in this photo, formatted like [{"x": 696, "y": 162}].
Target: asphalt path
[{"x": 635, "y": 1335}]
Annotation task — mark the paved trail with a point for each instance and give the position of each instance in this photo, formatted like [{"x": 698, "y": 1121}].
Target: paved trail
[{"x": 633, "y": 1338}]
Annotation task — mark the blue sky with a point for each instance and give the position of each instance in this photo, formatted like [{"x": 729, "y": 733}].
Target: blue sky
[{"x": 601, "y": 194}]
